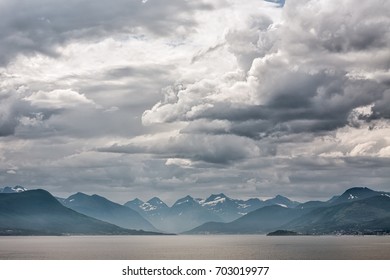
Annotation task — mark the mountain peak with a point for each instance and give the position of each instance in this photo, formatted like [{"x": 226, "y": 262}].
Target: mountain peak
[
  {"x": 80, "y": 194},
  {"x": 155, "y": 201},
  {"x": 359, "y": 189},
  {"x": 359, "y": 193},
  {"x": 282, "y": 201},
  {"x": 136, "y": 201},
  {"x": 355, "y": 193},
  {"x": 154, "y": 204},
  {"x": 184, "y": 200},
  {"x": 216, "y": 197},
  {"x": 16, "y": 189}
]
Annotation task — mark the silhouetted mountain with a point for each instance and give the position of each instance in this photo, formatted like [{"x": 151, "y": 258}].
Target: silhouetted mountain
[
  {"x": 229, "y": 209},
  {"x": 134, "y": 204},
  {"x": 154, "y": 207},
  {"x": 361, "y": 215},
  {"x": 356, "y": 210},
  {"x": 312, "y": 204},
  {"x": 154, "y": 210},
  {"x": 281, "y": 201},
  {"x": 356, "y": 193},
  {"x": 352, "y": 194},
  {"x": 103, "y": 209},
  {"x": 252, "y": 204},
  {"x": 37, "y": 212},
  {"x": 261, "y": 220},
  {"x": 224, "y": 207},
  {"x": 188, "y": 212}
]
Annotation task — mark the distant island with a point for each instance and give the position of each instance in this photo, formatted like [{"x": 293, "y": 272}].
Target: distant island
[{"x": 282, "y": 232}]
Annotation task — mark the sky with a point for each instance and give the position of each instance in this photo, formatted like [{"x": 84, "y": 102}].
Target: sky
[{"x": 144, "y": 98}]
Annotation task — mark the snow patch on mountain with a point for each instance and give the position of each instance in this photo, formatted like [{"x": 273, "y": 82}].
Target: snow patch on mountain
[
  {"x": 243, "y": 206},
  {"x": 16, "y": 189},
  {"x": 148, "y": 207},
  {"x": 283, "y": 205},
  {"x": 217, "y": 200},
  {"x": 351, "y": 196}
]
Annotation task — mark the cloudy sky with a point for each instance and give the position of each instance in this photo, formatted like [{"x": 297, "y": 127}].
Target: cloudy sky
[{"x": 138, "y": 98}]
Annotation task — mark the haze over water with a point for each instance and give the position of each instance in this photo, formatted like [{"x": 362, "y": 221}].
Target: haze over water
[{"x": 187, "y": 247}]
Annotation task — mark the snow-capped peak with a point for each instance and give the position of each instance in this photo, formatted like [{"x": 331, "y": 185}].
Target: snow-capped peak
[
  {"x": 155, "y": 201},
  {"x": 214, "y": 202},
  {"x": 16, "y": 189},
  {"x": 187, "y": 199},
  {"x": 148, "y": 207}
]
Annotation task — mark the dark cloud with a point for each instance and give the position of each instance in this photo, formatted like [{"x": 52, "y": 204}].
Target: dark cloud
[
  {"x": 212, "y": 149},
  {"x": 14, "y": 109},
  {"x": 256, "y": 40},
  {"x": 39, "y": 26},
  {"x": 258, "y": 100},
  {"x": 298, "y": 81}
]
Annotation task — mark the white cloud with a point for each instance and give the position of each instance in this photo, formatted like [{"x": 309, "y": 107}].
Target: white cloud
[
  {"x": 58, "y": 99},
  {"x": 301, "y": 74},
  {"x": 168, "y": 97}
]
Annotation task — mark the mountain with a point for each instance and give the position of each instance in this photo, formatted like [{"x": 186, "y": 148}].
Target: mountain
[
  {"x": 312, "y": 204},
  {"x": 357, "y": 215},
  {"x": 226, "y": 208},
  {"x": 282, "y": 201},
  {"x": 262, "y": 220},
  {"x": 153, "y": 207},
  {"x": 229, "y": 209},
  {"x": 37, "y": 212},
  {"x": 354, "y": 194},
  {"x": 103, "y": 209},
  {"x": 15, "y": 189},
  {"x": 356, "y": 210},
  {"x": 187, "y": 212},
  {"x": 134, "y": 204},
  {"x": 154, "y": 210}
]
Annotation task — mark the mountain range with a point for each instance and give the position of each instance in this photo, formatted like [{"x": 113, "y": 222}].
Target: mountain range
[
  {"x": 103, "y": 209},
  {"x": 37, "y": 212},
  {"x": 357, "y": 210},
  {"x": 188, "y": 212}
]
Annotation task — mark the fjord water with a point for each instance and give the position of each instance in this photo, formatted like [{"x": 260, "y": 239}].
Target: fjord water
[{"x": 201, "y": 247}]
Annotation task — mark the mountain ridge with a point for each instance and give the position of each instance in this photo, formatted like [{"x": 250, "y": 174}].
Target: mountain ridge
[
  {"x": 37, "y": 212},
  {"x": 103, "y": 209},
  {"x": 356, "y": 209},
  {"x": 215, "y": 208}
]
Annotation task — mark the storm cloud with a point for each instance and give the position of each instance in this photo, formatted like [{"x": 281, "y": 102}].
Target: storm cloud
[
  {"x": 42, "y": 26},
  {"x": 167, "y": 98},
  {"x": 308, "y": 75}
]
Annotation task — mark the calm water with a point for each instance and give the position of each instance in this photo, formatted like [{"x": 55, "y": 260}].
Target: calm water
[{"x": 195, "y": 247}]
